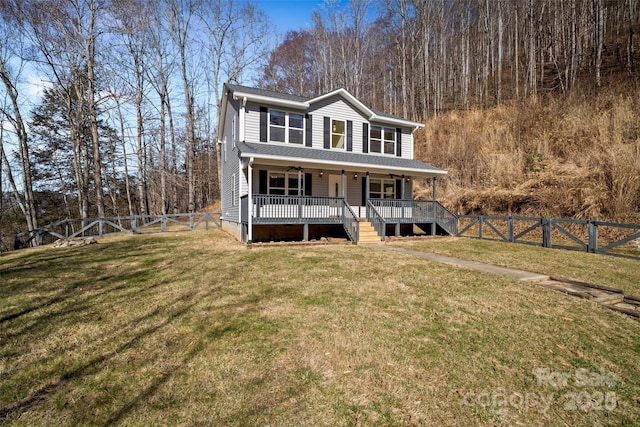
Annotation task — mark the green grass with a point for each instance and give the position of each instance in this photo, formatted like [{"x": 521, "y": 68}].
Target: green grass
[
  {"x": 195, "y": 329},
  {"x": 623, "y": 273}
]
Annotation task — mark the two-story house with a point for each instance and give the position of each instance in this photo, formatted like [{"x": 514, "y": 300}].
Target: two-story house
[{"x": 295, "y": 168}]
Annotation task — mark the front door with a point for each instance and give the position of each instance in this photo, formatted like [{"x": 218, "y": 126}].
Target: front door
[
  {"x": 335, "y": 186},
  {"x": 335, "y": 190}
]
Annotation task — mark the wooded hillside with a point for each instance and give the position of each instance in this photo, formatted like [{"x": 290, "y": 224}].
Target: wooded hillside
[
  {"x": 532, "y": 106},
  {"x": 553, "y": 156}
]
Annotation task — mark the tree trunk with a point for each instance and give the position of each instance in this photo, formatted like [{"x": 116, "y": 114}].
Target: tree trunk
[{"x": 90, "y": 54}]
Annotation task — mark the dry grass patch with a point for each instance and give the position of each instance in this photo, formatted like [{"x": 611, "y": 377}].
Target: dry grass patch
[
  {"x": 554, "y": 157},
  {"x": 195, "y": 329}
]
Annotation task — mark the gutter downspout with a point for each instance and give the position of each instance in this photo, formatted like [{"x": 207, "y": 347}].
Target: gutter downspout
[
  {"x": 241, "y": 136},
  {"x": 250, "y": 202}
]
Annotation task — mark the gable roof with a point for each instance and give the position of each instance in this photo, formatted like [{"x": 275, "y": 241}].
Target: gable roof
[
  {"x": 299, "y": 102},
  {"x": 296, "y": 155}
]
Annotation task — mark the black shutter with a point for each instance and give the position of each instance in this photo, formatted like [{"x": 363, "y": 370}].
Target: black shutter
[
  {"x": 399, "y": 189},
  {"x": 364, "y": 190},
  {"x": 263, "y": 181},
  {"x": 349, "y": 135},
  {"x": 308, "y": 128},
  {"x": 307, "y": 184},
  {"x": 365, "y": 137},
  {"x": 263, "y": 124},
  {"x": 398, "y": 142},
  {"x": 327, "y": 133}
]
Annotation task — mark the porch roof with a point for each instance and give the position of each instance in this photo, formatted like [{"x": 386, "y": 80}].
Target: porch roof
[{"x": 290, "y": 155}]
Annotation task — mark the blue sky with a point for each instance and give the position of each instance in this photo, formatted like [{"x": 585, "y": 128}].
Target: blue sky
[{"x": 289, "y": 15}]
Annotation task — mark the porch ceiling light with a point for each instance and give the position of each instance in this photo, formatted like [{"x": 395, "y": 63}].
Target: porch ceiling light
[
  {"x": 321, "y": 173},
  {"x": 355, "y": 175}
]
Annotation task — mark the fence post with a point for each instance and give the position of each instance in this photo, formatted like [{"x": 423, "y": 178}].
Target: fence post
[
  {"x": 480, "y": 227},
  {"x": 133, "y": 224},
  {"x": 206, "y": 221},
  {"x": 593, "y": 235},
  {"x": 163, "y": 223},
  {"x": 100, "y": 225},
  {"x": 510, "y": 228},
  {"x": 546, "y": 232},
  {"x": 191, "y": 221}
]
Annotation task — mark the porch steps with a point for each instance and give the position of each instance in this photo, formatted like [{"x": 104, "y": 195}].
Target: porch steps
[{"x": 367, "y": 233}]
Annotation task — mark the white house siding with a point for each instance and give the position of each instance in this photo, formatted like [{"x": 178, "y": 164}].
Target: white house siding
[
  {"x": 230, "y": 212},
  {"x": 334, "y": 107},
  {"x": 252, "y": 122}
]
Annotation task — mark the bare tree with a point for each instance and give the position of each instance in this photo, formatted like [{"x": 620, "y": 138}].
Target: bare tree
[{"x": 11, "y": 112}]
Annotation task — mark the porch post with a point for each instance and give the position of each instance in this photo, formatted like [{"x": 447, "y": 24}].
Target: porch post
[
  {"x": 434, "y": 189},
  {"x": 344, "y": 202},
  {"x": 366, "y": 190},
  {"x": 401, "y": 205},
  {"x": 250, "y": 202},
  {"x": 433, "y": 224},
  {"x": 299, "y": 192}
]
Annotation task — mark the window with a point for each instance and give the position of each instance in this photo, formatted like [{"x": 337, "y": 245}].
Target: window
[
  {"x": 338, "y": 130},
  {"x": 284, "y": 183},
  {"x": 382, "y": 189},
  {"x": 286, "y": 127},
  {"x": 382, "y": 140},
  {"x": 234, "y": 193},
  {"x": 296, "y": 128},
  {"x": 224, "y": 148},
  {"x": 233, "y": 131}
]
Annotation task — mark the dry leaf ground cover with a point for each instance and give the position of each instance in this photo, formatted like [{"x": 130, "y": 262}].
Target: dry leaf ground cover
[{"x": 195, "y": 329}]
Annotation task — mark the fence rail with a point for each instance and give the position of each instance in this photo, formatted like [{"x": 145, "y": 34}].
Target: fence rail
[
  {"x": 594, "y": 236},
  {"x": 97, "y": 227}
]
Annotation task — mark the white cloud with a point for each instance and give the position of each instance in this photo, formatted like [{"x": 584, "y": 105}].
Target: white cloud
[{"x": 35, "y": 85}]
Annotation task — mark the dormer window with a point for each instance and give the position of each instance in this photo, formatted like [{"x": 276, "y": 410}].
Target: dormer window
[
  {"x": 382, "y": 140},
  {"x": 286, "y": 127}
]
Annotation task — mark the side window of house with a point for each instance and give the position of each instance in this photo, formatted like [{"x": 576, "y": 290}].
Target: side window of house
[
  {"x": 286, "y": 127},
  {"x": 382, "y": 140},
  {"x": 233, "y": 131},
  {"x": 224, "y": 148}
]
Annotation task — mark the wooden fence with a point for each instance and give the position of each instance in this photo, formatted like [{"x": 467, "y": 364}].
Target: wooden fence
[
  {"x": 583, "y": 235},
  {"x": 98, "y": 227}
]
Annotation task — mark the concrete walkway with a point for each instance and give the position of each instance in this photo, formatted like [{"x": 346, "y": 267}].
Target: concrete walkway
[{"x": 471, "y": 265}]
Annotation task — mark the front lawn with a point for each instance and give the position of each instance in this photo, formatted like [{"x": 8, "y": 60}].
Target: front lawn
[{"x": 193, "y": 328}]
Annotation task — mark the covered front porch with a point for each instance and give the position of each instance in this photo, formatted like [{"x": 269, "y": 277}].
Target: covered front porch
[
  {"x": 385, "y": 216},
  {"x": 369, "y": 197}
]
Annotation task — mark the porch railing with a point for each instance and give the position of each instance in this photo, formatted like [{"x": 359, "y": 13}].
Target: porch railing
[
  {"x": 414, "y": 211},
  {"x": 350, "y": 222},
  {"x": 271, "y": 209},
  {"x": 376, "y": 220}
]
